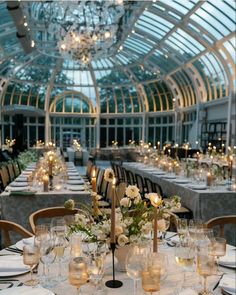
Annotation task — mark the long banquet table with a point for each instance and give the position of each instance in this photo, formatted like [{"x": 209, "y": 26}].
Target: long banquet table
[
  {"x": 204, "y": 203},
  {"x": 168, "y": 287},
  {"x": 17, "y": 208}
]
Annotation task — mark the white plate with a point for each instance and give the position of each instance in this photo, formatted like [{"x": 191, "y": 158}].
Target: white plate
[
  {"x": 159, "y": 173},
  {"x": 20, "y": 244},
  {"x": 229, "y": 259},
  {"x": 24, "y": 173},
  {"x": 228, "y": 284},
  {"x": 75, "y": 187},
  {"x": 75, "y": 177},
  {"x": 25, "y": 290},
  {"x": 17, "y": 184},
  {"x": 181, "y": 180},
  {"x": 12, "y": 266},
  {"x": 75, "y": 181},
  {"x": 21, "y": 179},
  {"x": 17, "y": 189},
  {"x": 169, "y": 176},
  {"x": 198, "y": 187},
  {"x": 73, "y": 174}
]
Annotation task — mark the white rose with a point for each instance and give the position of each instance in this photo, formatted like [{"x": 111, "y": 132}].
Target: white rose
[
  {"x": 137, "y": 199},
  {"x": 80, "y": 219},
  {"x": 122, "y": 240},
  {"x": 125, "y": 202},
  {"x": 132, "y": 191},
  {"x": 146, "y": 228},
  {"x": 118, "y": 230},
  {"x": 161, "y": 225},
  {"x": 155, "y": 199}
]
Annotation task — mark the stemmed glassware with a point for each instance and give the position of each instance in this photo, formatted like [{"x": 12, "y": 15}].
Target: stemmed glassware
[
  {"x": 218, "y": 249},
  {"x": 31, "y": 257},
  {"x": 78, "y": 272},
  {"x": 182, "y": 228},
  {"x": 134, "y": 265},
  {"x": 184, "y": 256},
  {"x": 205, "y": 267},
  {"x": 58, "y": 230}
]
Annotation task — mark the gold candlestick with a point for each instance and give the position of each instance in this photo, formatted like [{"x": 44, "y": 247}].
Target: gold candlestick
[{"x": 94, "y": 181}]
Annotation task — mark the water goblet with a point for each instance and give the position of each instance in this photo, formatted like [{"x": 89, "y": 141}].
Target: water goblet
[
  {"x": 182, "y": 228},
  {"x": 218, "y": 249},
  {"x": 78, "y": 272},
  {"x": 31, "y": 257},
  {"x": 134, "y": 265},
  {"x": 205, "y": 268}
]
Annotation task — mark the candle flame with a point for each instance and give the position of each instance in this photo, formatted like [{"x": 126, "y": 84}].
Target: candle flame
[{"x": 114, "y": 181}]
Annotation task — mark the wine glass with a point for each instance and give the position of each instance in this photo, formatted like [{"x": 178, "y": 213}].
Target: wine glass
[
  {"x": 184, "y": 256},
  {"x": 58, "y": 230},
  {"x": 182, "y": 228},
  {"x": 47, "y": 257},
  {"x": 151, "y": 274},
  {"x": 205, "y": 268},
  {"x": 195, "y": 228},
  {"x": 134, "y": 265},
  {"x": 78, "y": 272},
  {"x": 218, "y": 249},
  {"x": 31, "y": 257}
]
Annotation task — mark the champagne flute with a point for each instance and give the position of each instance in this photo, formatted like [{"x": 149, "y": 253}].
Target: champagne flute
[
  {"x": 78, "y": 272},
  {"x": 205, "y": 268},
  {"x": 31, "y": 257},
  {"x": 134, "y": 264},
  {"x": 218, "y": 249},
  {"x": 47, "y": 256},
  {"x": 182, "y": 228},
  {"x": 184, "y": 256}
]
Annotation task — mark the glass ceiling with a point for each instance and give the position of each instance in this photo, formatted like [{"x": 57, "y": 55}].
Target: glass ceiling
[{"x": 156, "y": 42}]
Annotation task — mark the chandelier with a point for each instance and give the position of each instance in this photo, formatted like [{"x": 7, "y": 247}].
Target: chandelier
[{"x": 83, "y": 30}]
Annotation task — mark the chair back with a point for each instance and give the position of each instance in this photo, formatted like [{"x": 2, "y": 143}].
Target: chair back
[
  {"x": 16, "y": 169},
  {"x": 157, "y": 189},
  {"x": 7, "y": 227},
  {"x": 140, "y": 184},
  {"x": 120, "y": 192},
  {"x": 131, "y": 178},
  {"x": 99, "y": 179},
  {"x": 5, "y": 179},
  {"x": 48, "y": 213},
  {"x": 149, "y": 185},
  {"x": 11, "y": 171},
  {"x": 220, "y": 222}
]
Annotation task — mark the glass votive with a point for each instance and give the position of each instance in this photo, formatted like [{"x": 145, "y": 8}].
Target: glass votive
[{"x": 75, "y": 243}]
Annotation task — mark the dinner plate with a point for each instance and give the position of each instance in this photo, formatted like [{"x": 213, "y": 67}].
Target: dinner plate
[
  {"x": 21, "y": 179},
  {"x": 198, "y": 187},
  {"x": 25, "y": 290},
  {"x": 228, "y": 284},
  {"x": 17, "y": 189},
  {"x": 229, "y": 259},
  {"x": 12, "y": 265},
  {"x": 75, "y": 177},
  {"x": 19, "y": 184},
  {"x": 26, "y": 173},
  {"x": 73, "y": 174},
  {"x": 75, "y": 187},
  {"x": 169, "y": 176},
  {"x": 181, "y": 180},
  {"x": 75, "y": 181},
  {"x": 20, "y": 244},
  {"x": 159, "y": 173}
]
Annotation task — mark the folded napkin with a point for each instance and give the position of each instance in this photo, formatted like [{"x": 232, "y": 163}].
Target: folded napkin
[
  {"x": 12, "y": 263},
  {"x": 25, "y": 290},
  {"x": 22, "y": 193},
  {"x": 229, "y": 259},
  {"x": 198, "y": 186},
  {"x": 228, "y": 284}
]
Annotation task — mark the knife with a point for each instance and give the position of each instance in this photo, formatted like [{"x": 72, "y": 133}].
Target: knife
[{"x": 217, "y": 283}]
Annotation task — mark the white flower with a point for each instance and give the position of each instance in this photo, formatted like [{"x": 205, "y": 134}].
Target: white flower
[
  {"x": 137, "y": 199},
  {"x": 79, "y": 218},
  {"x": 109, "y": 175},
  {"x": 155, "y": 199},
  {"x": 118, "y": 230},
  {"x": 125, "y": 202},
  {"x": 122, "y": 240},
  {"x": 161, "y": 225},
  {"x": 146, "y": 228},
  {"x": 132, "y": 191}
]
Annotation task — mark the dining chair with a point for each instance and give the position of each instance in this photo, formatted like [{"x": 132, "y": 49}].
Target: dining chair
[
  {"x": 7, "y": 227},
  {"x": 4, "y": 177},
  {"x": 48, "y": 213},
  {"x": 10, "y": 170},
  {"x": 220, "y": 222},
  {"x": 149, "y": 185},
  {"x": 16, "y": 169},
  {"x": 140, "y": 184}
]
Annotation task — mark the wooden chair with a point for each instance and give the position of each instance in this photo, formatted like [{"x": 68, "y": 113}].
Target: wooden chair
[
  {"x": 140, "y": 185},
  {"x": 221, "y": 222},
  {"x": 16, "y": 169},
  {"x": 11, "y": 171},
  {"x": 9, "y": 226},
  {"x": 5, "y": 179},
  {"x": 149, "y": 185},
  {"x": 48, "y": 213}
]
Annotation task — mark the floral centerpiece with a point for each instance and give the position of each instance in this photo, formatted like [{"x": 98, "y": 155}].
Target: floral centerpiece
[{"x": 27, "y": 157}]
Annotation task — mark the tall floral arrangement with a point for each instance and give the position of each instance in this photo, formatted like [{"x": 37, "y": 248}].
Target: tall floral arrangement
[{"x": 27, "y": 157}]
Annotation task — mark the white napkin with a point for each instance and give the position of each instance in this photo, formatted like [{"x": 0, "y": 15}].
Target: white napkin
[
  {"x": 198, "y": 186},
  {"x": 229, "y": 259},
  {"x": 228, "y": 283},
  {"x": 188, "y": 291},
  {"x": 25, "y": 290},
  {"x": 75, "y": 187},
  {"x": 12, "y": 263},
  {"x": 75, "y": 181}
]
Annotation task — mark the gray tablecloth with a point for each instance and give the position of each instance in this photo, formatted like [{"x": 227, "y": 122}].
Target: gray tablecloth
[{"x": 205, "y": 204}]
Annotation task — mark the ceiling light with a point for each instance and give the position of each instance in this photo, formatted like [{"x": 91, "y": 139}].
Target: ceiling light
[
  {"x": 32, "y": 43},
  {"x": 107, "y": 34},
  {"x": 25, "y": 24}
]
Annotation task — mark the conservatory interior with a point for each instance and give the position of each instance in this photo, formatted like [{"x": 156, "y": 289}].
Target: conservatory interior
[{"x": 118, "y": 147}]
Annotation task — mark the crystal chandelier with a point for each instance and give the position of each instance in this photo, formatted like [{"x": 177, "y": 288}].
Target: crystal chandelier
[{"x": 83, "y": 30}]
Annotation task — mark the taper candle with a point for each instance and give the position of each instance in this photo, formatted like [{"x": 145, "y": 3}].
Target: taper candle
[
  {"x": 45, "y": 183},
  {"x": 155, "y": 230},
  {"x": 209, "y": 179},
  {"x": 94, "y": 181},
  {"x": 113, "y": 211}
]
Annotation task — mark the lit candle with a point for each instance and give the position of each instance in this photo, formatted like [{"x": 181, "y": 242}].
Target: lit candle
[
  {"x": 230, "y": 164},
  {"x": 186, "y": 151},
  {"x": 45, "y": 183},
  {"x": 209, "y": 179},
  {"x": 50, "y": 160},
  {"x": 198, "y": 159},
  {"x": 158, "y": 146},
  {"x": 156, "y": 202},
  {"x": 113, "y": 211},
  {"x": 94, "y": 181}
]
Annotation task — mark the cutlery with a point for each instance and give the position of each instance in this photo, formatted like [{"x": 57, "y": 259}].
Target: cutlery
[
  {"x": 15, "y": 250},
  {"x": 171, "y": 236},
  {"x": 7, "y": 254},
  {"x": 217, "y": 283}
]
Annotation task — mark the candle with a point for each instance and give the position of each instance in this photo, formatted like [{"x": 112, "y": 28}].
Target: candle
[
  {"x": 155, "y": 230},
  {"x": 198, "y": 159},
  {"x": 113, "y": 211},
  {"x": 50, "y": 160},
  {"x": 209, "y": 179},
  {"x": 45, "y": 183},
  {"x": 158, "y": 146},
  {"x": 94, "y": 181},
  {"x": 186, "y": 151},
  {"x": 230, "y": 166}
]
